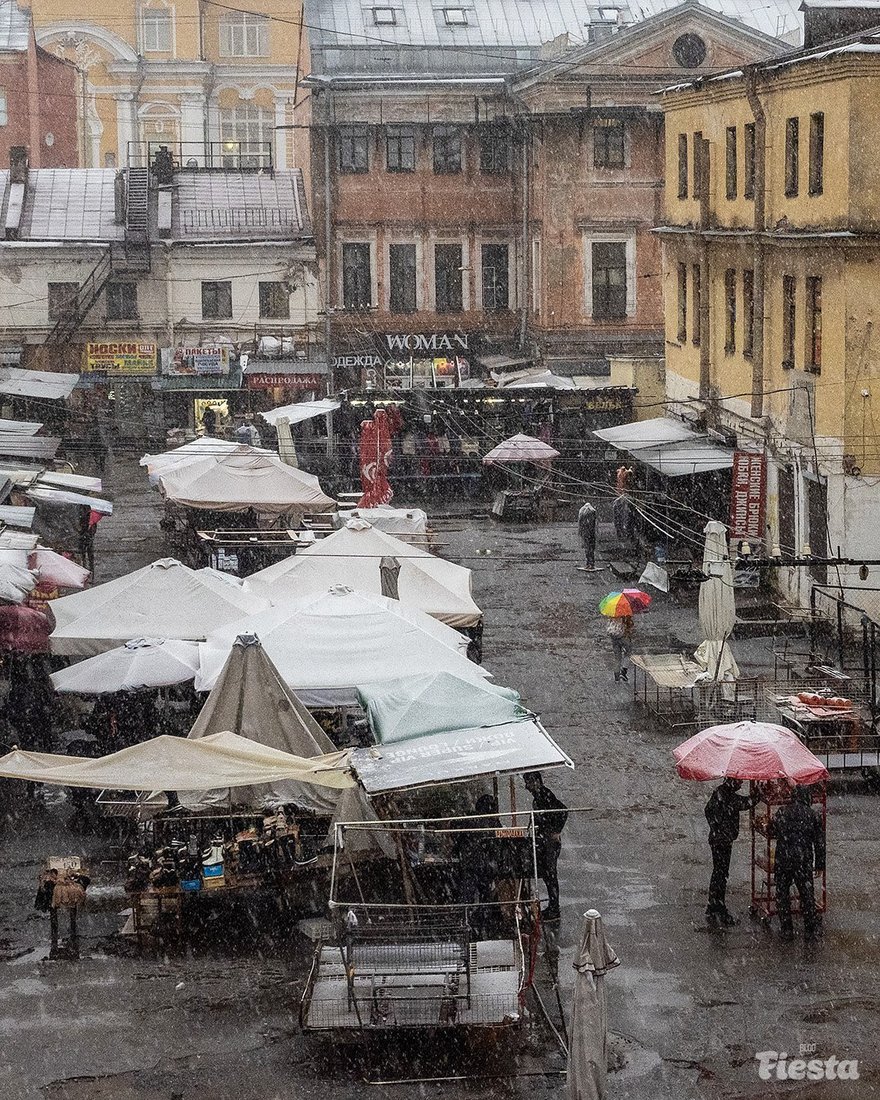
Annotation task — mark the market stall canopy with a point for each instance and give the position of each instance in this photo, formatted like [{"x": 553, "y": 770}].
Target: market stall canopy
[
  {"x": 436, "y": 702},
  {"x": 351, "y": 556},
  {"x": 140, "y": 664},
  {"x": 748, "y": 750},
  {"x": 521, "y": 448},
  {"x": 19, "y": 445},
  {"x": 205, "y": 446},
  {"x": 162, "y": 600},
  {"x": 457, "y": 757},
  {"x": 544, "y": 379},
  {"x": 60, "y": 479},
  {"x": 17, "y": 515},
  {"x": 241, "y": 481},
  {"x": 45, "y": 494},
  {"x": 393, "y": 521},
  {"x": 25, "y": 427},
  {"x": 325, "y": 644},
  {"x": 668, "y": 446},
  {"x": 252, "y": 700},
  {"x": 48, "y": 385},
  {"x": 167, "y": 763},
  {"x": 301, "y": 411}
]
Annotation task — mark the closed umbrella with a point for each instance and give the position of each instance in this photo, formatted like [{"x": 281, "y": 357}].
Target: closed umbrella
[
  {"x": 748, "y": 750},
  {"x": 138, "y": 665},
  {"x": 587, "y": 1074},
  {"x": 717, "y": 606}
]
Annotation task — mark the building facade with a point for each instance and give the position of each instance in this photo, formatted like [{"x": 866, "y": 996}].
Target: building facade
[
  {"x": 770, "y": 268},
  {"x": 167, "y": 292},
  {"x": 211, "y": 79},
  {"x": 38, "y": 95},
  {"x": 485, "y": 180}
]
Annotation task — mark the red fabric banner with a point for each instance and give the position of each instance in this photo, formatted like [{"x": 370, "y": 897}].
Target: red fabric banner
[{"x": 375, "y": 456}]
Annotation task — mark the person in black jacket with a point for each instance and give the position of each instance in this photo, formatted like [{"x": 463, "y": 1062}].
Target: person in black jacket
[
  {"x": 549, "y": 823},
  {"x": 722, "y": 813},
  {"x": 800, "y": 853}
]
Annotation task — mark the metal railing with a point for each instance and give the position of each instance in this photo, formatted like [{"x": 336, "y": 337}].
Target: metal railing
[{"x": 200, "y": 155}]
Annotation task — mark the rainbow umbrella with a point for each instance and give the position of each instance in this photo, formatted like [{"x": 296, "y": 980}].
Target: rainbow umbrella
[{"x": 630, "y": 601}]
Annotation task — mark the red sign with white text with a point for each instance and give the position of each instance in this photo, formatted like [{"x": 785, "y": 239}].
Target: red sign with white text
[{"x": 748, "y": 496}]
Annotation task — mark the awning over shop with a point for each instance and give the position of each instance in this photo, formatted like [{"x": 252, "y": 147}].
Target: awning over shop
[
  {"x": 301, "y": 411},
  {"x": 19, "y": 445},
  {"x": 22, "y": 427},
  {"x": 456, "y": 757},
  {"x": 18, "y": 382},
  {"x": 201, "y": 383},
  {"x": 504, "y": 362},
  {"x": 668, "y": 446},
  {"x": 47, "y": 495},
  {"x": 17, "y": 516}
]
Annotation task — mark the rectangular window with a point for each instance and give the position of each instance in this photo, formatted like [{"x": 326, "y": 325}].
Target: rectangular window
[
  {"x": 494, "y": 150},
  {"x": 353, "y": 149},
  {"x": 448, "y": 278},
  {"x": 494, "y": 261},
  {"x": 817, "y": 153},
  {"x": 217, "y": 301},
  {"x": 62, "y": 299},
  {"x": 697, "y": 157},
  {"x": 402, "y": 270},
  {"x": 384, "y": 17},
  {"x": 814, "y": 324},
  {"x": 4, "y": 108},
  {"x": 730, "y": 162},
  {"x": 243, "y": 34},
  {"x": 730, "y": 310},
  {"x": 455, "y": 17},
  {"x": 357, "y": 276},
  {"x": 785, "y": 508},
  {"x": 792, "y": 156},
  {"x": 697, "y": 298},
  {"x": 748, "y": 313},
  {"x": 682, "y": 303},
  {"x": 682, "y": 166},
  {"x": 749, "y": 160},
  {"x": 274, "y": 301},
  {"x": 122, "y": 302},
  {"x": 157, "y": 33},
  {"x": 400, "y": 149},
  {"x": 609, "y": 280},
  {"x": 247, "y": 134},
  {"x": 609, "y": 143},
  {"x": 789, "y": 321},
  {"x": 447, "y": 149}
]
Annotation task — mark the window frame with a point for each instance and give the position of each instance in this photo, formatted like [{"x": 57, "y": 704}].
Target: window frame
[
  {"x": 166, "y": 18},
  {"x": 273, "y": 300},
  {"x": 789, "y": 321},
  {"x": 748, "y": 291},
  {"x": 492, "y": 139},
  {"x": 495, "y": 298},
  {"x": 4, "y": 107},
  {"x": 213, "y": 287},
  {"x": 696, "y": 305},
  {"x": 255, "y": 148},
  {"x": 241, "y": 24},
  {"x": 444, "y": 164},
  {"x": 682, "y": 302},
  {"x": 58, "y": 310},
  {"x": 357, "y": 139},
  {"x": 816, "y": 182},
  {"x": 683, "y": 166},
  {"x": 608, "y": 314},
  {"x": 606, "y": 127},
  {"x": 697, "y": 157},
  {"x": 350, "y": 276},
  {"x": 447, "y": 248},
  {"x": 455, "y": 22},
  {"x": 410, "y": 294},
  {"x": 813, "y": 329},
  {"x": 730, "y": 162},
  {"x": 749, "y": 139},
  {"x": 792, "y": 157},
  {"x": 730, "y": 310},
  {"x": 396, "y": 135},
  {"x": 121, "y": 300},
  {"x": 384, "y": 22}
]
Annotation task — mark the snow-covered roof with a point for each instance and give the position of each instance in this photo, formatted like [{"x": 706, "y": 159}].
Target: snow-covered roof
[{"x": 15, "y": 27}]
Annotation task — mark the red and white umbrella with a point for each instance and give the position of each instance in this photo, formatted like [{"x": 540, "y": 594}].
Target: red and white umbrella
[
  {"x": 521, "y": 448},
  {"x": 748, "y": 750}
]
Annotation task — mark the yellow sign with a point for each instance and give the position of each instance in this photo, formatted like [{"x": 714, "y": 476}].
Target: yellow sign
[{"x": 124, "y": 357}]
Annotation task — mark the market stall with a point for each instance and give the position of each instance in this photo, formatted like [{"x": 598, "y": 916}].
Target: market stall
[{"x": 526, "y": 462}]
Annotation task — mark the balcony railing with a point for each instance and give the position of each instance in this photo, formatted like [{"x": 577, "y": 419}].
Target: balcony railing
[{"x": 193, "y": 156}]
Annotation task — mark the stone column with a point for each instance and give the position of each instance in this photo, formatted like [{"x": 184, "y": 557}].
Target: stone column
[
  {"x": 193, "y": 124},
  {"x": 126, "y": 126},
  {"x": 279, "y": 153}
]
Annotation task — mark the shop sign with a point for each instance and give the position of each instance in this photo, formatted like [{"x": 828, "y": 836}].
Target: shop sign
[
  {"x": 269, "y": 380},
  {"x": 122, "y": 358},
  {"x": 208, "y": 359},
  {"x": 748, "y": 496},
  {"x": 427, "y": 343},
  {"x": 357, "y": 362}
]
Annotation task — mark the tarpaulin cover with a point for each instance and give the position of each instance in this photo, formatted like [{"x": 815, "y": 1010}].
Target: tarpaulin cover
[
  {"x": 521, "y": 448},
  {"x": 169, "y": 763},
  {"x": 748, "y": 750},
  {"x": 327, "y": 643},
  {"x": 437, "y": 702},
  {"x": 456, "y": 757},
  {"x": 139, "y": 664},
  {"x": 351, "y": 557},
  {"x": 49, "y": 385},
  {"x": 162, "y": 600},
  {"x": 240, "y": 481},
  {"x": 659, "y": 431},
  {"x": 301, "y": 411},
  {"x": 57, "y": 571},
  {"x": 46, "y": 494},
  {"x": 196, "y": 450},
  {"x": 252, "y": 700},
  {"x": 24, "y": 630},
  {"x": 393, "y": 521}
]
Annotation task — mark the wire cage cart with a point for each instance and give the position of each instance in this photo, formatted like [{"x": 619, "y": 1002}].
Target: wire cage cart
[
  {"x": 410, "y": 952},
  {"x": 770, "y": 796}
]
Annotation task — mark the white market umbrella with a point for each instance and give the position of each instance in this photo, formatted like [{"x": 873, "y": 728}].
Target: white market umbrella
[
  {"x": 206, "y": 446},
  {"x": 587, "y": 1074},
  {"x": 138, "y": 665},
  {"x": 521, "y": 448},
  {"x": 717, "y": 606}
]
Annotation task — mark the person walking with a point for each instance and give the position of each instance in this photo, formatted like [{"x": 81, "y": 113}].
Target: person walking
[
  {"x": 587, "y": 534},
  {"x": 620, "y": 631},
  {"x": 551, "y": 814},
  {"x": 800, "y": 854},
  {"x": 722, "y": 812}
]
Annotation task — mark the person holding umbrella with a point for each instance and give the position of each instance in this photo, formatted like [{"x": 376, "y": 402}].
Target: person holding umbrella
[{"x": 620, "y": 607}]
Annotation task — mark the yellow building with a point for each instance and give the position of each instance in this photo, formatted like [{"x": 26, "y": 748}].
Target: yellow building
[
  {"x": 214, "y": 79},
  {"x": 772, "y": 282}
]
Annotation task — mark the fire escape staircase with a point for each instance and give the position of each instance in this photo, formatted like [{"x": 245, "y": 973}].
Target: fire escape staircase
[{"x": 128, "y": 257}]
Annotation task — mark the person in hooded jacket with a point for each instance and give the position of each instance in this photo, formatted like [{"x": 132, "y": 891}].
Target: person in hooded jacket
[
  {"x": 800, "y": 854},
  {"x": 722, "y": 812}
]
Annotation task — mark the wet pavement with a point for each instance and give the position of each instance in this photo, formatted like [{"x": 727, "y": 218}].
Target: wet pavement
[{"x": 689, "y": 1008}]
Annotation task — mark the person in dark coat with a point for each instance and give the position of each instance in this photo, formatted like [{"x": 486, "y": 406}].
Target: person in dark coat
[
  {"x": 587, "y": 534},
  {"x": 550, "y": 820},
  {"x": 722, "y": 812},
  {"x": 476, "y": 848},
  {"x": 800, "y": 854}
]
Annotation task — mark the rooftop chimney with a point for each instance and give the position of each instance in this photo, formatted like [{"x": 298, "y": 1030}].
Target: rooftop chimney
[
  {"x": 18, "y": 176},
  {"x": 18, "y": 164},
  {"x": 825, "y": 20}
]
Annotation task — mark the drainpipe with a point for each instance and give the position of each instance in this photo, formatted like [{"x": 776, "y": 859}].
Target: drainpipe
[
  {"x": 525, "y": 263},
  {"x": 760, "y": 222},
  {"x": 702, "y": 154}
]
